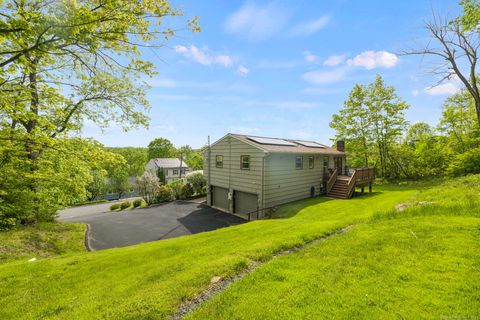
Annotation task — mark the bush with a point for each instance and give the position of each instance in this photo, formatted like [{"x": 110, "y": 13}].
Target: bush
[
  {"x": 164, "y": 194},
  {"x": 115, "y": 206},
  {"x": 124, "y": 205},
  {"x": 137, "y": 203},
  {"x": 465, "y": 163},
  {"x": 187, "y": 191},
  {"x": 176, "y": 186},
  {"x": 198, "y": 182}
]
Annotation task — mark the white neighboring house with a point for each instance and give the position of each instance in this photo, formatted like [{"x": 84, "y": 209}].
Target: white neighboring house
[{"x": 172, "y": 168}]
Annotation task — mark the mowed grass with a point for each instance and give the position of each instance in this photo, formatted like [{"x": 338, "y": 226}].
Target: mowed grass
[
  {"x": 423, "y": 263},
  {"x": 41, "y": 241},
  {"x": 149, "y": 281}
]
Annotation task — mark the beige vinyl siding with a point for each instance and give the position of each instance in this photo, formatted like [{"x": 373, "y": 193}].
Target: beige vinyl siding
[
  {"x": 284, "y": 183},
  {"x": 231, "y": 176}
]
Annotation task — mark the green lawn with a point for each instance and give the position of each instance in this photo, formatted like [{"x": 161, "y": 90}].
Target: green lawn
[
  {"x": 41, "y": 241},
  {"x": 150, "y": 280},
  {"x": 424, "y": 264}
]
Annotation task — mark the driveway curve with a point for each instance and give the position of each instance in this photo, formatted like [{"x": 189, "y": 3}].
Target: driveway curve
[{"x": 124, "y": 228}]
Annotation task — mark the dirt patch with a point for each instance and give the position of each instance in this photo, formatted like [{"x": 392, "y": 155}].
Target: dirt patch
[
  {"x": 402, "y": 206},
  {"x": 219, "y": 284}
]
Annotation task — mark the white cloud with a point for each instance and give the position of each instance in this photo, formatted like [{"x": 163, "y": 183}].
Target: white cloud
[
  {"x": 334, "y": 60},
  {"x": 162, "y": 83},
  {"x": 415, "y": 92},
  {"x": 374, "y": 59},
  {"x": 203, "y": 56},
  {"x": 310, "y": 57},
  {"x": 446, "y": 88},
  {"x": 257, "y": 22},
  {"x": 310, "y": 27},
  {"x": 242, "y": 70},
  {"x": 323, "y": 77}
]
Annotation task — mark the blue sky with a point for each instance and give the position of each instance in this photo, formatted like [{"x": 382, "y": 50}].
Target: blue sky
[{"x": 282, "y": 68}]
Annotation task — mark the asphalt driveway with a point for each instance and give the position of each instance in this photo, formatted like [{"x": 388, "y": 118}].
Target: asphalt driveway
[{"x": 124, "y": 228}]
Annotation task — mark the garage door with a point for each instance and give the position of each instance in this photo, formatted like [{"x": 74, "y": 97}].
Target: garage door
[
  {"x": 220, "y": 198},
  {"x": 245, "y": 203}
]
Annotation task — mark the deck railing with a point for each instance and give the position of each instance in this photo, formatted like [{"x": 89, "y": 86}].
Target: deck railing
[
  {"x": 331, "y": 180},
  {"x": 360, "y": 176}
]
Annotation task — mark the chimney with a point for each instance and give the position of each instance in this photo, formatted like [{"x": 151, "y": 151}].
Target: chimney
[{"x": 341, "y": 145}]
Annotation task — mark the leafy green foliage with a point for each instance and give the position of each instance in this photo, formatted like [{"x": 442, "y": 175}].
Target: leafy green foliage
[
  {"x": 136, "y": 159},
  {"x": 115, "y": 206},
  {"x": 176, "y": 186},
  {"x": 371, "y": 122},
  {"x": 125, "y": 205},
  {"x": 63, "y": 63},
  {"x": 164, "y": 194},
  {"x": 197, "y": 180},
  {"x": 161, "y": 148},
  {"x": 470, "y": 18},
  {"x": 137, "y": 203},
  {"x": 187, "y": 191}
]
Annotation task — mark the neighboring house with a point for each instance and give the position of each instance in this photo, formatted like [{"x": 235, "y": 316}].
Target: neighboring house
[
  {"x": 249, "y": 174},
  {"x": 172, "y": 168}
]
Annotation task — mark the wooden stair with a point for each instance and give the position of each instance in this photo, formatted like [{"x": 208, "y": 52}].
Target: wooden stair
[{"x": 339, "y": 189}]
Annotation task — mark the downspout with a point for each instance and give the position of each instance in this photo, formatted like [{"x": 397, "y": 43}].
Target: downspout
[{"x": 263, "y": 182}]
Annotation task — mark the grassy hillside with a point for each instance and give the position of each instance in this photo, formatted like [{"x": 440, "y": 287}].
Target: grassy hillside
[
  {"x": 41, "y": 240},
  {"x": 150, "y": 280},
  {"x": 421, "y": 264}
]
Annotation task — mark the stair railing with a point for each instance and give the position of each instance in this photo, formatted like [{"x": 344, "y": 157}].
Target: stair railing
[
  {"x": 331, "y": 180},
  {"x": 351, "y": 183}
]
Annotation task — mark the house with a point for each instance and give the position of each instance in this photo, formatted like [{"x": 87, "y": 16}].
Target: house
[
  {"x": 172, "y": 168},
  {"x": 248, "y": 175}
]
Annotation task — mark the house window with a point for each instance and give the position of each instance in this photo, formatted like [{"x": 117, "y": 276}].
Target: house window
[
  {"x": 219, "y": 161},
  {"x": 311, "y": 162},
  {"x": 325, "y": 163},
  {"x": 245, "y": 162},
  {"x": 299, "y": 162},
  {"x": 175, "y": 172}
]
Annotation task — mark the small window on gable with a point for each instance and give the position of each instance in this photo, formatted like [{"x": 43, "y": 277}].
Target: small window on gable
[
  {"x": 219, "y": 161},
  {"x": 245, "y": 162},
  {"x": 311, "y": 162},
  {"x": 299, "y": 162}
]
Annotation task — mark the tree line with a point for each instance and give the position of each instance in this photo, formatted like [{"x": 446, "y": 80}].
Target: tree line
[{"x": 372, "y": 123}]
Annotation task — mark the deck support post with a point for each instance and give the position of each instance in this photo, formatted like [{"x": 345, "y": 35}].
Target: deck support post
[
  {"x": 370, "y": 187},
  {"x": 362, "y": 189}
]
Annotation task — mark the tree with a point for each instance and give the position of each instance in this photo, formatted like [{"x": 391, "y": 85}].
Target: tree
[
  {"x": 64, "y": 62},
  {"x": 418, "y": 132},
  {"x": 458, "y": 122},
  {"x": 352, "y": 125},
  {"x": 118, "y": 180},
  {"x": 161, "y": 148},
  {"x": 98, "y": 186},
  {"x": 148, "y": 187},
  {"x": 455, "y": 46},
  {"x": 136, "y": 159},
  {"x": 193, "y": 158},
  {"x": 371, "y": 122}
]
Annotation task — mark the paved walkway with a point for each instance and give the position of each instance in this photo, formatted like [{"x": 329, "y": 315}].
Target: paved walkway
[{"x": 124, "y": 228}]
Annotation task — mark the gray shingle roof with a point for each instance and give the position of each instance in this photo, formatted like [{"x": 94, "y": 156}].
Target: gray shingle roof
[{"x": 169, "y": 163}]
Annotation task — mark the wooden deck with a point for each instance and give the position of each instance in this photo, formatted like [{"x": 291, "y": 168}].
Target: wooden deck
[{"x": 343, "y": 187}]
